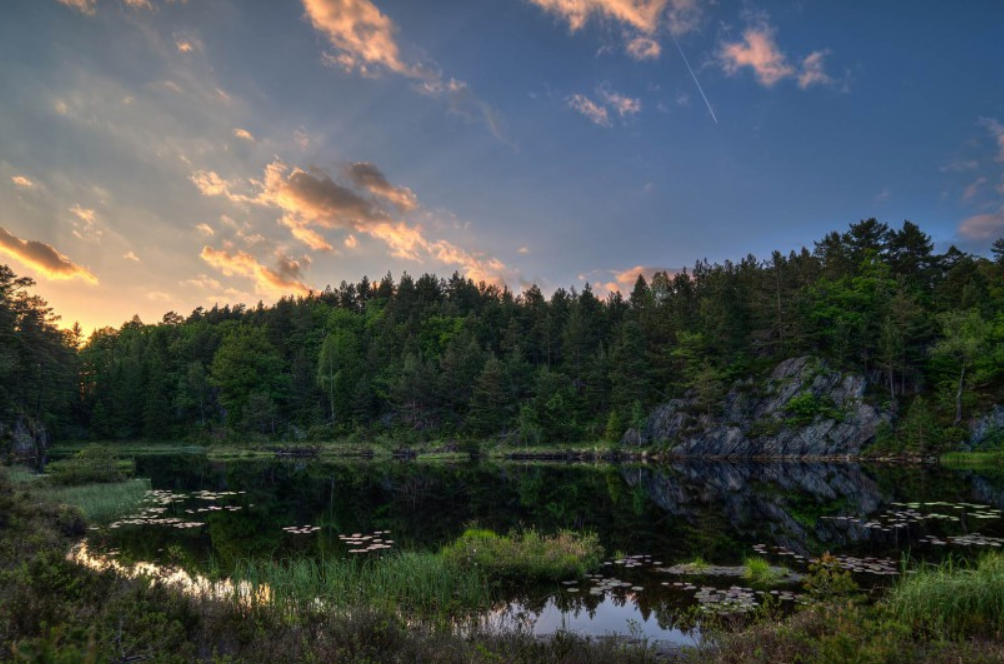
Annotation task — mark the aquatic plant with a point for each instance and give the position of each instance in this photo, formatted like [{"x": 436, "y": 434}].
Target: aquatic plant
[
  {"x": 526, "y": 555},
  {"x": 953, "y": 598},
  {"x": 102, "y": 502},
  {"x": 419, "y": 585},
  {"x": 92, "y": 465},
  {"x": 759, "y": 571}
]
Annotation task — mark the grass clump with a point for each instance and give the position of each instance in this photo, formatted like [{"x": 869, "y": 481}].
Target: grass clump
[
  {"x": 102, "y": 502},
  {"x": 525, "y": 556},
  {"x": 699, "y": 564},
  {"x": 95, "y": 464},
  {"x": 759, "y": 571},
  {"x": 419, "y": 585},
  {"x": 954, "y": 599}
]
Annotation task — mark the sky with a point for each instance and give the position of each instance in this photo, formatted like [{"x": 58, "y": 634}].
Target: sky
[{"x": 161, "y": 155}]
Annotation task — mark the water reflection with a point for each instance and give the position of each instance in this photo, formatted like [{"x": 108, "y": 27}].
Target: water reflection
[{"x": 658, "y": 516}]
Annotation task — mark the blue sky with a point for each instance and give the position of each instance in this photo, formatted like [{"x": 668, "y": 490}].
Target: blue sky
[{"x": 160, "y": 155}]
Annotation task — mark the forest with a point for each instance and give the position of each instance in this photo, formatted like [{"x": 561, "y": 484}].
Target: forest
[{"x": 429, "y": 358}]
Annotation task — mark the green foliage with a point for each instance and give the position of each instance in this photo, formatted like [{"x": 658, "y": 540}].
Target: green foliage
[
  {"x": 954, "y": 599},
  {"x": 827, "y": 581},
  {"x": 805, "y": 408},
  {"x": 525, "y": 556},
  {"x": 102, "y": 502},
  {"x": 95, "y": 464},
  {"x": 759, "y": 571}
]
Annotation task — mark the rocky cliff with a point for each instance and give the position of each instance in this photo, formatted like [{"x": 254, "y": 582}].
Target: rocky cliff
[{"x": 803, "y": 409}]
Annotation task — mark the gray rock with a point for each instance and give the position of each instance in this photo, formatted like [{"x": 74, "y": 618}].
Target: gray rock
[
  {"x": 757, "y": 420},
  {"x": 987, "y": 429}
]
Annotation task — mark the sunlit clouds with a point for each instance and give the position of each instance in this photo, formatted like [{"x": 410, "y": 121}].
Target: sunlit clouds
[
  {"x": 759, "y": 51},
  {"x": 21, "y": 182},
  {"x": 985, "y": 226},
  {"x": 608, "y": 103},
  {"x": 43, "y": 258},
  {"x": 597, "y": 114},
  {"x": 244, "y": 135},
  {"x": 282, "y": 279},
  {"x": 996, "y": 130},
  {"x": 131, "y": 256},
  {"x": 641, "y": 20},
  {"x": 311, "y": 203},
  {"x": 362, "y": 36}
]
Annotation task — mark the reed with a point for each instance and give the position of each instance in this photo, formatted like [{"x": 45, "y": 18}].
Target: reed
[
  {"x": 952, "y": 598},
  {"x": 102, "y": 502},
  {"x": 418, "y": 585}
]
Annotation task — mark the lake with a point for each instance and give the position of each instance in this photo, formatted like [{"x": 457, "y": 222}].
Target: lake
[{"x": 206, "y": 515}]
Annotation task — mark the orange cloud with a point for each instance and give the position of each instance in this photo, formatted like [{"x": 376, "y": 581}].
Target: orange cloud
[
  {"x": 43, "y": 258},
  {"x": 285, "y": 278},
  {"x": 82, "y": 6},
  {"x": 310, "y": 199},
  {"x": 362, "y": 35},
  {"x": 624, "y": 280},
  {"x": 759, "y": 52},
  {"x": 244, "y": 134},
  {"x": 371, "y": 178},
  {"x": 587, "y": 107},
  {"x": 21, "y": 182},
  {"x": 983, "y": 226},
  {"x": 623, "y": 105},
  {"x": 812, "y": 71},
  {"x": 642, "y": 19}
]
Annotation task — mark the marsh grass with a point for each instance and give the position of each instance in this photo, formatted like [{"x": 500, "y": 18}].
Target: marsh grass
[
  {"x": 525, "y": 556},
  {"x": 953, "y": 598},
  {"x": 758, "y": 571},
  {"x": 21, "y": 475},
  {"x": 101, "y": 502},
  {"x": 418, "y": 585},
  {"x": 970, "y": 459}
]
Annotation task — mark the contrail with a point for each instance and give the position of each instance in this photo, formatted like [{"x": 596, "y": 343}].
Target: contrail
[{"x": 696, "y": 82}]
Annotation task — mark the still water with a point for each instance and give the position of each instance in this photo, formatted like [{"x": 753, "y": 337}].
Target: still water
[{"x": 207, "y": 514}]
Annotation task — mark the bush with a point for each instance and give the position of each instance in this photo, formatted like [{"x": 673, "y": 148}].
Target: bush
[
  {"x": 95, "y": 464},
  {"x": 526, "y": 556}
]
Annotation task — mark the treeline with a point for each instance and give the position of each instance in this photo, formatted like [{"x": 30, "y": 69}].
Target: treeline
[
  {"x": 38, "y": 365},
  {"x": 429, "y": 357}
]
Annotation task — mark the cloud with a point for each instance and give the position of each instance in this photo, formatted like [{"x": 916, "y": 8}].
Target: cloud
[
  {"x": 86, "y": 226},
  {"x": 812, "y": 71},
  {"x": 960, "y": 166},
  {"x": 365, "y": 43},
  {"x": 644, "y": 48},
  {"x": 203, "y": 281},
  {"x": 362, "y": 36},
  {"x": 760, "y": 52},
  {"x": 283, "y": 279},
  {"x": 370, "y": 178},
  {"x": 996, "y": 130},
  {"x": 244, "y": 134},
  {"x": 43, "y": 257},
  {"x": 89, "y": 7},
  {"x": 597, "y": 114},
  {"x": 351, "y": 241},
  {"x": 21, "y": 182},
  {"x": 973, "y": 189},
  {"x": 186, "y": 43},
  {"x": 310, "y": 201},
  {"x": 159, "y": 296},
  {"x": 205, "y": 229},
  {"x": 523, "y": 250},
  {"x": 82, "y": 6},
  {"x": 131, "y": 256},
  {"x": 640, "y": 20},
  {"x": 623, "y": 105},
  {"x": 983, "y": 226},
  {"x": 624, "y": 280}
]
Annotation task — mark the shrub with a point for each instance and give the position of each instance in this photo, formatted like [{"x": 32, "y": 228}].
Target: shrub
[
  {"x": 525, "y": 556},
  {"x": 95, "y": 464}
]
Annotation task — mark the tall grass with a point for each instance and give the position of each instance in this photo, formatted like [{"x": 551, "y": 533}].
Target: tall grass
[
  {"x": 102, "y": 502},
  {"x": 759, "y": 571},
  {"x": 21, "y": 475},
  {"x": 966, "y": 459},
  {"x": 953, "y": 599},
  {"x": 525, "y": 556},
  {"x": 419, "y": 585}
]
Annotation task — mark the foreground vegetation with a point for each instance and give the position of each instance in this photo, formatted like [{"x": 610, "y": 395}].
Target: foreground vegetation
[{"x": 403, "y": 608}]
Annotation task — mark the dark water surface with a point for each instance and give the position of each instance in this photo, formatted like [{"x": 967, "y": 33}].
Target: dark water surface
[{"x": 647, "y": 517}]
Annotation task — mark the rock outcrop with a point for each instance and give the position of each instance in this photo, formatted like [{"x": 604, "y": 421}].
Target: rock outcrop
[
  {"x": 804, "y": 409},
  {"x": 24, "y": 441},
  {"x": 988, "y": 429}
]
